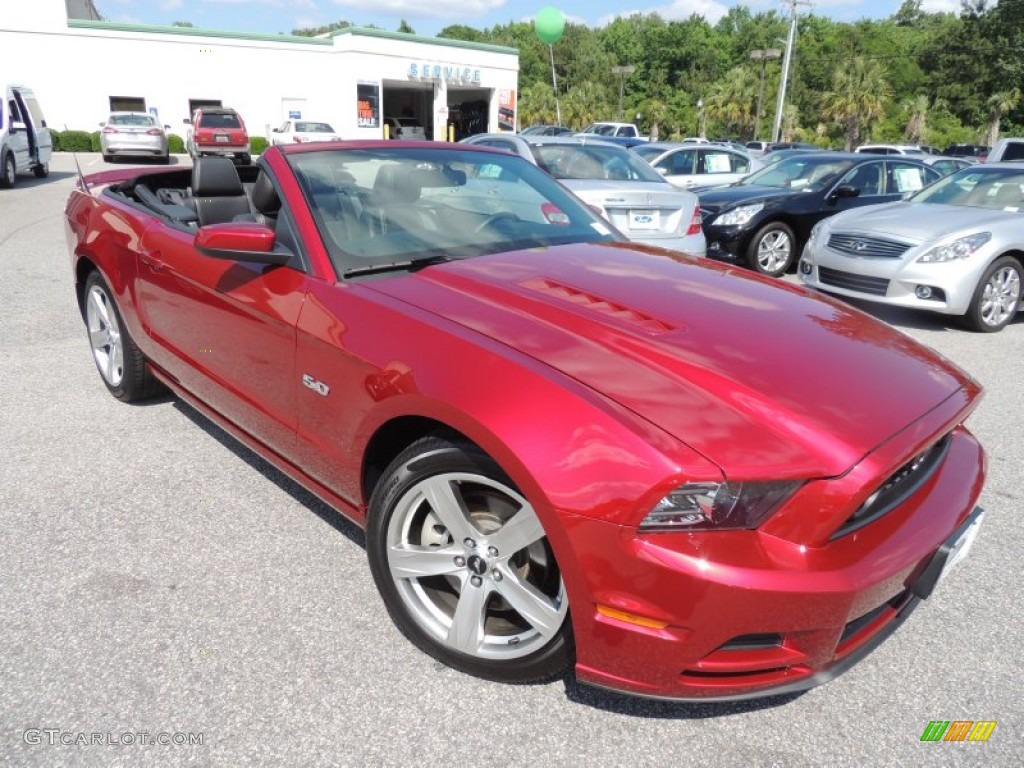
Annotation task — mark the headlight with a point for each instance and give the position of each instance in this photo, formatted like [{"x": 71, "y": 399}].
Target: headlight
[
  {"x": 958, "y": 249},
  {"x": 738, "y": 216},
  {"x": 718, "y": 506},
  {"x": 816, "y": 233}
]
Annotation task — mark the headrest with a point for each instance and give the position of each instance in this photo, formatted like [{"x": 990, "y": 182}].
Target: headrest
[
  {"x": 395, "y": 184},
  {"x": 264, "y": 196},
  {"x": 215, "y": 177}
]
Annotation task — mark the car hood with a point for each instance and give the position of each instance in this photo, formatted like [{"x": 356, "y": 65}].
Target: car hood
[
  {"x": 718, "y": 199},
  {"x": 923, "y": 222},
  {"x": 762, "y": 377}
]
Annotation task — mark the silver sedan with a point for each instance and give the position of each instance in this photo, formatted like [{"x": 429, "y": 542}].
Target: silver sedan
[
  {"x": 624, "y": 189},
  {"x": 133, "y": 134},
  {"x": 955, "y": 247}
]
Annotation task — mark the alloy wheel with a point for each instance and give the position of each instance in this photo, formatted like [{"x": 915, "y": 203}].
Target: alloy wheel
[{"x": 104, "y": 336}]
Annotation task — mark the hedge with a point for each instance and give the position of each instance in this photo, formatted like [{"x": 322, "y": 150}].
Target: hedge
[{"x": 257, "y": 145}]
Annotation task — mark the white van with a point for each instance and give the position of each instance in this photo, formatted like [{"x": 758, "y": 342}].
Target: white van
[{"x": 25, "y": 143}]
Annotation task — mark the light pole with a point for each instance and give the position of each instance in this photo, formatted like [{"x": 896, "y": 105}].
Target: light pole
[
  {"x": 622, "y": 71},
  {"x": 785, "y": 67},
  {"x": 763, "y": 56}
]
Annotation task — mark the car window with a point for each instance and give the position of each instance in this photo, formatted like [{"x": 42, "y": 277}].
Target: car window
[
  {"x": 136, "y": 120},
  {"x": 308, "y": 127},
  {"x": 868, "y": 179},
  {"x": 286, "y": 126},
  {"x": 805, "y": 171},
  {"x": 993, "y": 188},
  {"x": 219, "y": 121},
  {"x": 1013, "y": 150},
  {"x": 713, "y": 161},
  {"x": 574, "y": 161},
  {"x": 376, "y": 207},
  {"x": 678, "y": 163},
  {"x": 906, "y": 177}
]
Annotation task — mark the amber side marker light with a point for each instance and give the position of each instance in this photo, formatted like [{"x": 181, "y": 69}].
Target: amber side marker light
[{"x": 630, "y": 618}]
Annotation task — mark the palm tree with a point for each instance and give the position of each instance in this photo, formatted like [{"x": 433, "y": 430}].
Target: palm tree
[
  {"x": 732, "y": 101},
  {"x": 917, "y": 109},
  {"x": 585, "y": 103},
  {"x": 999, "y": 104},
  {"x": 858, "y": 97},
  {"x": 537, "y": 104},
  {"x": 656, "y": 111}
]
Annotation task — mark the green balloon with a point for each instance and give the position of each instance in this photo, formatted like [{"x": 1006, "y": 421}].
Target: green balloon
[{"x": 550, "y": 24}]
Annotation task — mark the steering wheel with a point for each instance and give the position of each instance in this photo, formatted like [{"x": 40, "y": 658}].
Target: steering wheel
[{"x": 495, "y": 218}]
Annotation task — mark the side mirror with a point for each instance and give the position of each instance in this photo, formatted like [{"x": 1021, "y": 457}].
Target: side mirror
[
  {"x": 102, "y": 124},
  {"x": 239, "y": 241},
  {"x": 662, "y": 171},
  {"x": 186, "y": 121},
  {"x": 276, "y": 130},
  {"x": 167, "y": 127},
  {"x": 844, "y": 191}
]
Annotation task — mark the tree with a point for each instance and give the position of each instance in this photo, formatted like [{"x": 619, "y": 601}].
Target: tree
[
  {"x": 182, "y": 24},
  {"x": 1001, "y": 103},
  {"x": 537, "y": 104},
  {"x": 405, "y": 27},
  {"x": 731, "y": 102},
  {"x": 858, "y": 97},
  {"x": 326, "y": 29},
  {"x": 916, "y": 110}
]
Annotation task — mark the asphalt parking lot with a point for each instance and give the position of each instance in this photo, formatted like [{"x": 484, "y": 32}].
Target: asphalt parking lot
[{"x": 158, "y": 578}]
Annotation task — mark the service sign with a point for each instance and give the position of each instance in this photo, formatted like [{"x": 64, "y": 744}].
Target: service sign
[{"x": 448, "y": 72}]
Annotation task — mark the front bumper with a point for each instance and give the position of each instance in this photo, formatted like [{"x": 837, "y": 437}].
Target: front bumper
[
  {"x": 895, "y": 281},
  {"x": 727, "y": 243},
  {"x": 745, "y": 614}
]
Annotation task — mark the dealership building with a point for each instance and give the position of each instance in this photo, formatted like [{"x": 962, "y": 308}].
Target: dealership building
[{"x": 81, "y": 68}]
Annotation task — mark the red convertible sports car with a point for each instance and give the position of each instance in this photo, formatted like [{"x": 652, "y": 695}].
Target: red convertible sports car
[{"x": 566, "y": 449}]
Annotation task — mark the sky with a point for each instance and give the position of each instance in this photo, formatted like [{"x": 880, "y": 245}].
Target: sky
[{"x": 428, "y": 17}]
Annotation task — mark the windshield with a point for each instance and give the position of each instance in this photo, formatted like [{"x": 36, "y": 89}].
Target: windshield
[
  {"x": 590, "y": 161},
  {"x": 601, "y": 129},
  {"x": 377, "y": 207},
  {"x": 1000, "y": 189},
  {"x": 809, "y": 172}
]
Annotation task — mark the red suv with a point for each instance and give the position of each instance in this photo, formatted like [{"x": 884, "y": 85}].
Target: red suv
[{"x": 218, "y": 131}]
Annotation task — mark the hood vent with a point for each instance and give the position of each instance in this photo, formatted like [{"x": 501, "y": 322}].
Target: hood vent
[{"x": 605, "y": 307}]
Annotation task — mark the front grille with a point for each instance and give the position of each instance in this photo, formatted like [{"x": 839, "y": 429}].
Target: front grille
[
  {"x": 877, "y": 286},
  {"x": 900, "y": 486},
  {"x": 866, "y": 246}
]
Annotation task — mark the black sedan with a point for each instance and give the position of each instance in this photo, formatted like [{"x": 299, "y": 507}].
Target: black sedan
[{"x": 763, "y": 220}]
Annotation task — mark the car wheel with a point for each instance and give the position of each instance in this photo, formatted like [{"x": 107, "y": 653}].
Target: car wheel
[
  {"x": 246, "y": 159},
  {"x": 10, "y": 172},
  {"x": 119, "y": 361},
  {"x": 108, "y": 158},
  {"x": 997, "y": 297},
  {"x": 42, "y": 170},
  {"x": 464, "y": 566},
  {"x": 165, "y": 159},
  {"x": 772, "y": 248}
]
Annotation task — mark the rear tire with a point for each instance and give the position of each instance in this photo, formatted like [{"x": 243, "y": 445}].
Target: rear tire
[
  {"x": 464, "y": 566},
  {"x": 997, "y": 296},
  {"x": 10, "y": 172},
  {"x": 120, "y": 363}
]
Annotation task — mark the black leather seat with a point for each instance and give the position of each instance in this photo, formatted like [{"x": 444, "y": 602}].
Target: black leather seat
[
  {"x": 265, "y": 202},
  {"x": 217, "y": 190}
]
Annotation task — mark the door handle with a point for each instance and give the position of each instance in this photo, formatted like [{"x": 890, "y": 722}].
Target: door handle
[{"x": 152, "y": 260}]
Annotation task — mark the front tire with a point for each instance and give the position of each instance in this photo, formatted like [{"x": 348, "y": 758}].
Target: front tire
[
  {"x": 42, "y": 170},
  {"x": 772, "y": 249},
  {"x": 120, "y": 363},
  {"x": 464, "y": 566},
  {"x": 997, "y": 297},
  {"x": 10, "y": 172}
]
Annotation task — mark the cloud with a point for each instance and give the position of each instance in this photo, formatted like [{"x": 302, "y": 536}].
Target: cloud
[
  {"x": 440, "y": 9},
  {"x": 678, "y": 10},
  {"x": 941, "y": 6},
  {"x": 170, "y": 5}
]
